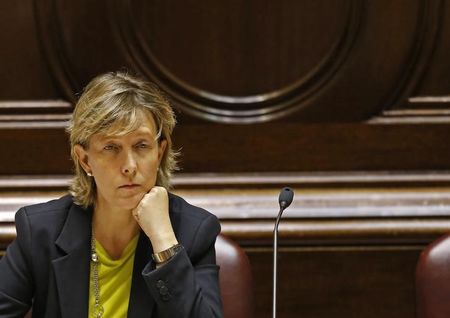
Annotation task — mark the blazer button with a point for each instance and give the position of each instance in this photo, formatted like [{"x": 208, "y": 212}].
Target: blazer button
[
  {"x": 164, "y": 290},
  {"x": 159, "y": 284}
]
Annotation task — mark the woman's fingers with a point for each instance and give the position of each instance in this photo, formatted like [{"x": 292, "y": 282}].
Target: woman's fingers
[{"x": 152, "y": 214}]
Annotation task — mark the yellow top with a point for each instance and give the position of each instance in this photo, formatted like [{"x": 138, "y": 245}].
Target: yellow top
[{"x": 114, "y": 280}]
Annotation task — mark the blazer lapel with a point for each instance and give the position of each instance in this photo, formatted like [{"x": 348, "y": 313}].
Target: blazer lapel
[
  {"x": 72, "y": 270},
  {"x": 141, "y": 302}
]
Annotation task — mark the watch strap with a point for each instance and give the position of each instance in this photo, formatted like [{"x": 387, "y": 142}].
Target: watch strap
[{"x": 167, "y": 254}]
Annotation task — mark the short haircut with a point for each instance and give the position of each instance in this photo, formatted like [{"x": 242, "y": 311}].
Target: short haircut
[{"x": 116, "y": 103}]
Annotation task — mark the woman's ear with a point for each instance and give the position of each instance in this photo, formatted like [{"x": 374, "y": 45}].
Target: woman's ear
[
  {"x": 161, "y": 150},
  {"x": 82, "y": 157}
]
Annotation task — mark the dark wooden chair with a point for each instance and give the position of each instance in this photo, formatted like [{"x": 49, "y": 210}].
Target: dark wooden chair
[
  {"x": 235, "y": 279},
  {"x": 433, "y": 280}
]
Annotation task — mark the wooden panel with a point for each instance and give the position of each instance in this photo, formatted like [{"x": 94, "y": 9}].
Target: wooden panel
[
  {"x": 349, "y": 282},
  {"x": 293, "y": 147},
  {"x": 435, "y": 81},
  {"x": 31, "y": 150},
  {"x": 382, "y": 197},
  {"x": 344, "y": 253},
  {"x": 239, "y": 62},
  {"x": 248, "y": 61},
  {"x": 23, "y": 74},
  {"x": 287, "y": 148}
]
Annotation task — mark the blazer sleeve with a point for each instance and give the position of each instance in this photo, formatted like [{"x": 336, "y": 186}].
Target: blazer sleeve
[
  {"x": 16, "y": 282},
  {"x": 187, "y": 286}
]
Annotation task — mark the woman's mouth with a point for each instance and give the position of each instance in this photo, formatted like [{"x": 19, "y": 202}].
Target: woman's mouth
[{"x": 129, "y": 186}]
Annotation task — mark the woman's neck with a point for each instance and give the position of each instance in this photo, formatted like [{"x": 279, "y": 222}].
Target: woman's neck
[{"x": 113, "y": 228}]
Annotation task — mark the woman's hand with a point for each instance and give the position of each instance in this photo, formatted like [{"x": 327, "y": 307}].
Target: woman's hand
[{"x": 152, "y": 215}]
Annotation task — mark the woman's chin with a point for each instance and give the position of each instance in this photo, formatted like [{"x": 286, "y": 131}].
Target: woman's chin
[{"x": 129, "y": 203}]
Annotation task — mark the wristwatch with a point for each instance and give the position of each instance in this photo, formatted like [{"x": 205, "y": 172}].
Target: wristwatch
[{"x": 165, "y": 255}]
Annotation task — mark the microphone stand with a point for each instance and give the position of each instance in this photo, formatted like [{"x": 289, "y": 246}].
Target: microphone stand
[
  {"x": 275, "y": 257},
  {"x": 285, "y": 199}
]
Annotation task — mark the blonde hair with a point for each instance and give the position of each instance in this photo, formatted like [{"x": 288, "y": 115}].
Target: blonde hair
[{"x": 116, "y": 103}]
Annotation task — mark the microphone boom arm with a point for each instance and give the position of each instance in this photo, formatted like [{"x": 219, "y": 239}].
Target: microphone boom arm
[{"x": 285, "y": 199}]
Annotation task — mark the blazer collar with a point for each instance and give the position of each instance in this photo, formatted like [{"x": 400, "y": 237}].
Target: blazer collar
[
  {"x": 141, "y": 302},
  {"x": 72, "y": 269},
  {"x": 77, "y": 229}
]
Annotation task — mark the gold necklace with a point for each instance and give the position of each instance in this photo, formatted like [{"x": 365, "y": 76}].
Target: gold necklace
[{"x": 98, "y": 308}]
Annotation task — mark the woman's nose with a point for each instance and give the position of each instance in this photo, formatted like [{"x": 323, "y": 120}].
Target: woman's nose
[{"x": 129, "y": 164}]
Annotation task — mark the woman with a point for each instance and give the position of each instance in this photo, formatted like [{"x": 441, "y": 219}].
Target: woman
[{"x": 119, "y": 245}]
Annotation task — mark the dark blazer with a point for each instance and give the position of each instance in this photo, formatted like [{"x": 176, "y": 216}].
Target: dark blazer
[{"x": 47, "y": 265}]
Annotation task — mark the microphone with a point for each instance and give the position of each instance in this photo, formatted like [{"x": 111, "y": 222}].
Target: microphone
[{"x": 285, "y": 199}]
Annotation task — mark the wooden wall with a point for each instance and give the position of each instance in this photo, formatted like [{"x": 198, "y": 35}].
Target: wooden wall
[{"x": 347, "y": 101}]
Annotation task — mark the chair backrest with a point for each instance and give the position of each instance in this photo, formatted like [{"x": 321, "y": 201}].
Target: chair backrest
[
  {"x": 433, "y": 280},
  {"x": 235, "y": 279}
]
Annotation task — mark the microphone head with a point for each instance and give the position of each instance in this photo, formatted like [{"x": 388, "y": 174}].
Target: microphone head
[{"x": 286, "y": 197}]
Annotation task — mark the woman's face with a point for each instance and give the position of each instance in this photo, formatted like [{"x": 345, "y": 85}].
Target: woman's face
[{"x": 124, "y": 167}]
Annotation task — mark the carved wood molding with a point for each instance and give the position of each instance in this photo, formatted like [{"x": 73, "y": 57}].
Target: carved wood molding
[
  {"x": 355, "y": 232},
  {"x": 49, "y": 27},
  {"x": 428, "y": 116},
  {"x": 34, "y": 114},
  {"x": 426, "y": 35},
  {"x": 261, "y": 180},
  {"x": 259, "y": 203},
  {"x": 249, "y": 68},
  {"x": 34, "y": 106},
  {"x": 319, "y": 215},
  {"x": 339, "y": 232},
  {"x": 214, "y": 106},
  {"x": 425, "y": 110}
]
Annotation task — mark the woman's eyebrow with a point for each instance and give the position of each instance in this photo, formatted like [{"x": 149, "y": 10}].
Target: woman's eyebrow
[
  {"x": 139, "y": 140},
  {"x": 146, "y": 135},
  {"x": 108, "y": 139}
]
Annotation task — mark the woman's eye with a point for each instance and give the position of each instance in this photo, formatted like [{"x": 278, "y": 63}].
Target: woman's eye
[
  {"x": 142, "y": 146},
  {"x": 109, "y": 147}
]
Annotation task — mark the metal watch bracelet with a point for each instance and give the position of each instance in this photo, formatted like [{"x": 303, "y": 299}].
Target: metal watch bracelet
[{"x": 167, "y": 254}]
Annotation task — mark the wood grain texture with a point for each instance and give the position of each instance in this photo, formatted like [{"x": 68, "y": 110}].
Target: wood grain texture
[
  {"x": 24, "y": 74},
  {"x": 340, "y": 265},
  {"x": 287, "y": 148},
  {"x": 339, "y": 95},
  {"x": 331, "y": 282},
  {"x": 248, "y": 62},
  {"x": 345, "y": 100}
]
